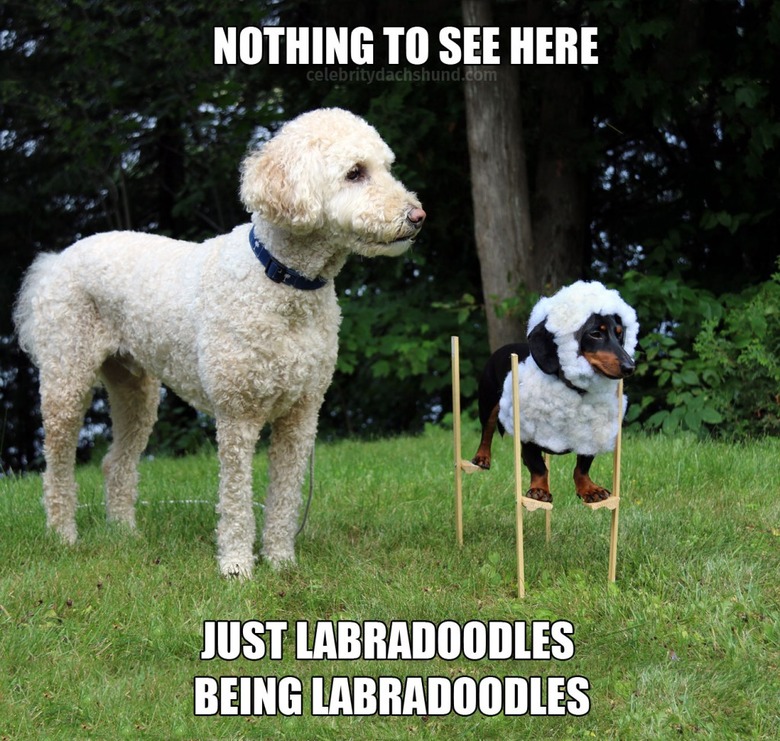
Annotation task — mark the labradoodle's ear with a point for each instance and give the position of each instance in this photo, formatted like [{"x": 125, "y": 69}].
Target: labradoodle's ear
[
  {"x": 280, "y": 187},
  {"x": 543, "y": 349}
]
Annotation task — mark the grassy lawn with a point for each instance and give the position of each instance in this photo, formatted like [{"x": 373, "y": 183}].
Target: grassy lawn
[{"x": 102, "y": 640}]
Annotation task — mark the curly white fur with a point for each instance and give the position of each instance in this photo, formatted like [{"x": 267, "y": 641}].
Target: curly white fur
[
  {"x": 553, "y": 416},
  {"x": 134, "y": 309}
]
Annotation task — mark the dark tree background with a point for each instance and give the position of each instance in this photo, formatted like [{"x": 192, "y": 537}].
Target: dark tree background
[{"x": 662, "y": 162}]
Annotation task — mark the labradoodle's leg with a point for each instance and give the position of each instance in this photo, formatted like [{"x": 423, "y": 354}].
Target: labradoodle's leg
[{"x": 133, "y": 399}]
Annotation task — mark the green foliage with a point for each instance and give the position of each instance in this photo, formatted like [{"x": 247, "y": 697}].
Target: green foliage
[
  {"x": 689, "y": 135},
  {"x": 740, "y": 360},
  {"x": 667, "y": 392},
  {"x": 179, "y": 429},
  {"x": 395, "y": 340},
  {"x": 706, "y": 364},
  {"x": 394, "y": 369},
  {"x": 519, "y": 305}
]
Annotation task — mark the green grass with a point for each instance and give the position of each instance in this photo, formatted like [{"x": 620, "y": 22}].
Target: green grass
[{"x": 102, "y": 640}]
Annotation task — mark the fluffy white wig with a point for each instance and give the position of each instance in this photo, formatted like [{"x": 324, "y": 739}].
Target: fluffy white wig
[
  {"x": 552, "y": 415},
  {"x": 564, "y": 313}
]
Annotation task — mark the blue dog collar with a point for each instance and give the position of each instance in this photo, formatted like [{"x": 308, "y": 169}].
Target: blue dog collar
[{"x": 280, "y": 273}]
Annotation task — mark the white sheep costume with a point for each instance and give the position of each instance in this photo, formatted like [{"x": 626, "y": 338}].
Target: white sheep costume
[
  {"x": 556, "y": 417},
  {"x": 243, "y": 326}
]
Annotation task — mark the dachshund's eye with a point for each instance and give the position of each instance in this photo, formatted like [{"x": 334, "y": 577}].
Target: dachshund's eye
[
  {"x": 356, "y": 174},
  {"x": 596, "y": 334}
]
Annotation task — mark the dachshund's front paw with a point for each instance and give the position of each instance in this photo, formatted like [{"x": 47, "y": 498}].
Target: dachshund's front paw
[
  {"x": 593, "y": 494},
  {"x": 541, "y": 495},
  {"x": 482, "y": 459}
]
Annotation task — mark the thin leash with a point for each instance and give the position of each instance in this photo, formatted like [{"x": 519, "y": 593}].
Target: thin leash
[{"x": 208, "y": 501}]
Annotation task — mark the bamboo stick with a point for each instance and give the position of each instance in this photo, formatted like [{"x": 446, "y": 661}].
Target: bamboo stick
[
  {"x": 457, "y": 440},
  {"x": 613, "y": 531},
  {"x": 518, "y": 479}
]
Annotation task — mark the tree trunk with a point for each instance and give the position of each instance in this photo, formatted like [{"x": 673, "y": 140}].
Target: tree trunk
[
  {"x": 499, "y": 185},
  {"x": 560, "y": 223}
]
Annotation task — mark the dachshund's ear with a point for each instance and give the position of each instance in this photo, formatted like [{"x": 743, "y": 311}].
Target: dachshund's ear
[{"x": 543, "y": 349}]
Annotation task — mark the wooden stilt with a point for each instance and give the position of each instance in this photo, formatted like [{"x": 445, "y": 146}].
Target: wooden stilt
[
  {"x": 613, "y": 501},
  {"x": 613, "y": 530},
  {"x": 521, "y": 501},
  {"x": 548, "y": 512},
  {"x": 518, "y": 479},
  {"x": 456, "y": 440},
  {"x": 461, "y": 466}
]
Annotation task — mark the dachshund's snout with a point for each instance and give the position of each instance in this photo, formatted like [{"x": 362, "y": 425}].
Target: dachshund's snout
[{"x": 627, "y": 367}]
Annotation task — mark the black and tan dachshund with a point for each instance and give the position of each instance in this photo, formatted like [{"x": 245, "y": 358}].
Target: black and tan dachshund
[{"x": 601, "y": 343}]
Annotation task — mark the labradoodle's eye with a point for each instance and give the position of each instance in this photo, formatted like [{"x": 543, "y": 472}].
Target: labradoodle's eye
[{"x": 358, "y": 172}]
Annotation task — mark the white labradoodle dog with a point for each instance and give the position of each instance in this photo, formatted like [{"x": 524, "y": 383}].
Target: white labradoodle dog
[{"x": 243, "y": 326}]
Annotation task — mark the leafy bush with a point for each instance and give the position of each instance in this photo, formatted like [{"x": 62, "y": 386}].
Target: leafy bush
[
  {"x": 740, "y": 358},
  {"x": 706, "y": 364},
  {"x": 667, "y": 392},
  {"x": 394, "y": 367}
]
